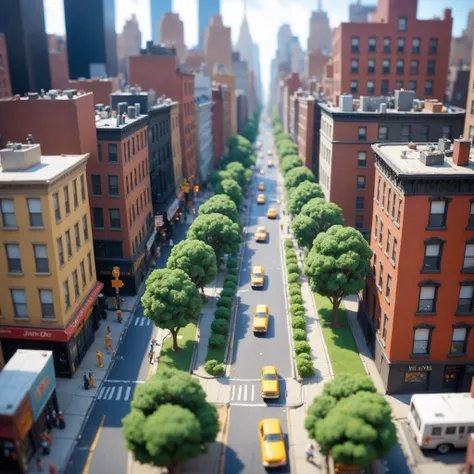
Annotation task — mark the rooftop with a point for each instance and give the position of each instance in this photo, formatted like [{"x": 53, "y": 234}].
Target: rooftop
[{"x": 69, "y": 94}]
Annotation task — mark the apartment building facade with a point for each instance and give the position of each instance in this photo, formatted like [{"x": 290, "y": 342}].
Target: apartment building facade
[
  {"x": 101, "y": 88},
  {"x": 469, "y": 125}
]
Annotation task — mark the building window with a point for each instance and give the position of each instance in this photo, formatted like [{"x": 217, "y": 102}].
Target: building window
[
  {"x": 376, "y": 227},
  {"x": 429, "y": 87},
  {"x": 362, "y": 159},
  {"x": 98, "y": 217},
  {"x": 57, "y": 212},
  {"x": 405, "y": 133},
  {"x": 383, "y": 132},
  {"x": 77, "y": 236},
  {"x": 355, "y": 66},
  {"x": 112, "y": 151},
  {"x": 85, "y": 228},
  {"x": 114, "y": 218},
  {"x": 19, "y": 303},
  {"x": 380, "y": 233},
  {"x": 96, "y": 185},
  {"x": 468, "y": 263},
  {"x": 389, "y": 286},
  {"x": 446, "y": 132},
  {"x": 355, "y": 44},
  {"x": 416, "y": 45},
  {"x": 371, "y": 66},
  {"x": 386, "y": 66},
  {"x": 421, "y": 341},
  {"x": 384, "y": 86},
  {"x": 83, "y": 188},
  {"x": 126, "y": 185},
  {"x": 433, "y": 46},
  {"x": 414, "y": 66},
  {"x": 424, "y": 133},
  {"x": 470, "y": 222},
  {"x": 47, "y": 304},
  {"x": 67, "y": 300},
  {"x": 380, "y": 284},
  {"x": 362, "y": 133},
  {"x": 471, "y": 132},
  {"x": 370, "y": 87},
  {"x": 438, "y": 213},
  {"x": 68, "y": 244},
  {"x": 459, "y": 340},
  {"x": 431, "y": 67},
  {"x": 433, "y": 252},
  {"x": 387, "y": 45},
  {"x": 8, "y": 213},
  {"x": 353, "y": 86},
  {"x": 67, "y": 205},
  {"x": 389, "y": 200},
  {"x": 394, "y": 250},
  {"x": 394, "y": 202},
  {"x": 74, "y": 194},
  {"x": 36, "y": 215},
  {"x": 75, "y": 283},
  {"x": 41, "y": 258},
  {"x": 383, "y": 194},
  {"x": 99, "y": 153},
  {"x": 359, "y": 222},
  {"x": 402, "y": 23},
  {"x": 59, "y": 243},
  {"x": 427, "y": 298},
  {"x": 113, "y": 185},
  {"x": 400, "y": 66},
  {"x": 89, "y": 265},
  {"x": 466, "y": 294},
  {"x": 360, "y": 182},
  {"x": 372, "y": 44},
  {"x": 387, "y": 245},
  {"x": 378, "y": 189},
  {"x": 412, "y": 85},
  {"x": 385, "y": 327},
  {"x": 401, "y": 45},
  {"x": 472, "y": 107},
  {"x": 399, "y": 84},
  {"x": 13, "y": 258},
  {"x": 374, "y": 267},
  {"x": 399, "y": 212},
  {"x": 83, "y": 274}
]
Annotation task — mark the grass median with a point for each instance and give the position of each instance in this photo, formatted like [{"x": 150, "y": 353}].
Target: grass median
[
  {"x": 180, "y": 360},
  {"x": 340, "y": 342}
]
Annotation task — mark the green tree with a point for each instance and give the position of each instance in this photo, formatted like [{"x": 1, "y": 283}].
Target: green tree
[
  {"x": 196, "y": 259},
  {"x": 221, "y": 204},
  {"x": 232, "y": 189},
  {"x": 316, "y": 216},
  {"x": 302, "y": 194},
  {"x": 298, "y": 175},
  {"x": 170, "y": 421},
  {"x": 287, "y": 149},
  {"x": 290, "y": 162},
  {"x": 218, "y": 231},
  {"x": 241, "y": 155},
  {"x": 250, "y": 131},
  {"x": 236, "y": 171},
  {"x": 216, "y": 179},
  {"x": 239, "y": 141},
  {"x": 283, "y": 137},
  {"x": 171, "y": 301},
  {"x": 345, "y": 385},
  {"x": 277, "y": 129},
  {"x": 338, "y": 264}
]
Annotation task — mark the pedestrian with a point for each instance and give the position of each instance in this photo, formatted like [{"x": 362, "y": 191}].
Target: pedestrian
[
  {"x": 39, "y": 464},
  {"x": 309, "y": 451},
  {"x": 90, "y": 376},
  {"x": 45, "y": 448},
  {"x": 61, "y": 422},
  {"x": 86, "y": 382},
  {"x": 150, "y": 355},
  {"x": 109, "y": 331},
  {"x": 119, "y": 316},
  {"x": 281, "y": 226},
  {"x": 108, "y": 341},
  {"x": 45, "y": 437},
  {"x": 98, "y": 355},
  {"x": 54, "y": 418},
  {"x": 49, "y": 425},
  {"x": 52, "y": 468}
]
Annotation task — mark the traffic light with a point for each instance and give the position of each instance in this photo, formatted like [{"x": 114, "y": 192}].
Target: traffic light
[{"x": 196, "y": 188}]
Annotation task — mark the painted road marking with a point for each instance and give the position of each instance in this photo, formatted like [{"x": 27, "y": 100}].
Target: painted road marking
[
  {"x": 127, "y": 393},
  {"x": 119, "y": 393},
  {"x": 148, "y": 322},
  {"x": 101, "y": 393},
  {"x": 111, "y": 393},
  {"x": 142, "y": 322},
  {"x": 245, "y": 393},
  {"x": 239, "y": 396},
  {"x": 233, "y": 392},
  {"x": 125, "y": 381},
  {"x": 137, "y": 320},
  {"x": 107, "y": 392},
  {"x": 253, "y": 392}
]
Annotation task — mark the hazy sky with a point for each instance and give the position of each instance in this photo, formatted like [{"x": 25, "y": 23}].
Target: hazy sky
[{"x": 265, "y": 16}]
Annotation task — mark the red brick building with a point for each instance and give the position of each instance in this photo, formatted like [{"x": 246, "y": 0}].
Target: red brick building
[
  {"x": 290, "y": 85},
  {"x": 314, "y": 63},
  {"x": 218, "y": 123},
  {"x": 156, "y": 68},
  {"x": 101, "y": 88},
  {"x": 217, "y": 45},
  {"x": 469, "y": 125},
  {"x": 328, "y": 80},
  {"x": 226, "y": 110},
  {"x": 417, "y": 309},
  {"x": 58, "y": 62},
  {"x": 225, "y": 77},
  {"x": 251, "y": 94},
  {"x": 346, "y": 161},
  {"x": 172, "y": 34},
  {"x": 394, "y": 51},
  {"x": 5, "y": 84},
  {"x": 194, "y": 60}
]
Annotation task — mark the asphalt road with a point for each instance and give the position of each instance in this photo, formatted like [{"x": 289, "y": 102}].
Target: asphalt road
[{"x": 250, "y": 352}]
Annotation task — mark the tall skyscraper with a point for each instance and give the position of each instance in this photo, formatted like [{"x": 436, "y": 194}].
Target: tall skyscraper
[
  {"x": 172, "y": 34},
  {"x": 157, "y": 9},
  {"x": 256, "y": 68},
  {"x": 22, "y": 23},
  {"x": 245, "y": 43},
  {"x": 359, "y": 13},
  {"x": 320, "y": 34},
  {"x": 217, "y": 45},
  {"x": 91, "y": 52},
  {"x": 129, "y": 43},
  {"x": 206, "y": 10},
  {"x": 284, "y": 40}
]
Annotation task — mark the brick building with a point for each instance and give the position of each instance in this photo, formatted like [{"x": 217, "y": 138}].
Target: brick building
[
  {"x": 58, "y": 62},
  {"x": 5, "y": 85},
  {"x": 155, "y": 69},
  {"x": 194, "y": 60},
  {"x": 346, "y": 171},
  {"x": 417, "y": 308},
  {"x": 394, "y": 51},
  {"x": 290, "y": 85},
  {"x": 227, "y": 78},
  {"x": 469, "y": 125},
  {"x": 218, "y": 123},
  {"x": 242, "y": 107},
  {"x": 217, "y": 45},
  {"x": 328, "y": 80},
  {"x": 172, "y": 34},
  {"x": 101, "y": 88},
  {"x": 314, "y": 63}
]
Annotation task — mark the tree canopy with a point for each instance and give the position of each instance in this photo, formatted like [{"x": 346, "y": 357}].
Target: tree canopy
[
  {"x": 302, "y": 194},
  {"x": 241, "y": 155},
  {"x": 297, "y": 175},
  {"x": 221, "y": 204},
  {"x": 338, "y": 264},
  {"x": 250, "y": 131},
  {"x": 171, "y": 301},
  {"x": 287, "y": 149},
  {"x": 218, "y": 231},
  {"x": 216, "y": 178},
  {"x": 232, "y": 189},
  {"x": 290, "y": 162},
  {"x": 170, "y": 421},
  {"x": 236, "y": 171},
  {"x": 196, "y": 259},
  {"x": 316, "y": 216}
]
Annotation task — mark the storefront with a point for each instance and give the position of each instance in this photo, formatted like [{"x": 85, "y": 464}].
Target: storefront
[
  {"x": 68, "y": 345},
  {"x": 28, "y": 401}
]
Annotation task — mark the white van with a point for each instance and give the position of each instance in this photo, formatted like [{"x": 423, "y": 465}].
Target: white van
[{"x": 441, "y": 421}]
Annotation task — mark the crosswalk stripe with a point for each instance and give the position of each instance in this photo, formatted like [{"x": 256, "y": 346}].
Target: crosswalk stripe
[
  {"x": 101, "y": 393},
  {"x": 142, "y": 322},
  {"x": 148, "y": 322},
  {"x": 233, "y": 392},
  {"x": 136, "y": 321},
  {"x": 111, "y": 393},
  {"x": 245, "y": 393},
  {"x": 119, "y": 393},
  {"x": 239, "y": 396},
  {"x": 253, "y": 392},
  {"x": 127, "y": 393},
  {"x": 106, "y": 392}
]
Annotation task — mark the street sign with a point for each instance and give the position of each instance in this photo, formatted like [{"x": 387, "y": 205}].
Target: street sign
[
  {"x": 159, "y": 220},
  {"x": 117, "y": 284},
  {"x": 116, "y": 272}
]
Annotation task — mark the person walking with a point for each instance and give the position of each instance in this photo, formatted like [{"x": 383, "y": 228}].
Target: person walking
[
  {"x": 309, "y": 451},
  {"x": 86, "y": 382},
  {"x": 108, "y": 340},
  {"x": 90, "y": 376},
  {"x": 150, "y": 356}
]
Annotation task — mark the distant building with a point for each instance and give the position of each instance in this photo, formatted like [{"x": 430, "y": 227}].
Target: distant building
[
  {"x": 204, "y": 129},
  {"x": 132, "y": 43},
  {"x": 101, "y": 88},
  {"x": 206, "y": 10},
  {"x": 217, "y": 44},
  {"x": 134, "y": 96},
  {"x": 91, "y": 54},
  {"x": 297, "y": 56},
  {"x": 284, "y": 41},
  {"x": 241, "y": 73},
  {"x": 5, "y": 84},
  {"x": 157, "y": 10},
  {"x": 194, "y": 60},
  {"x": 461, "y": 47},
  {"x": 227, "y": 78},
  {"x": 314, "y": 63},
  {"x": 176, "y": 149},
  {"x": 58, "y": 62},
  {"x": 245, "y": 42},
  {"x": 469, "y": 125},
  {"x": 320, "y": 34},
  {"x": 328, "y": 80},
  {"x": 172, "y": 34},
  {"x": 242, "y": 110},
  {"x": 359, "y": 13},
  {"x": 218, "y": 124},
  {"x": 291, "y": 83}
]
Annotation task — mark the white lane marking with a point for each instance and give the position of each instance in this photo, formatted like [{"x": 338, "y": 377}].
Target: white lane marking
[
  {"x": 253, "y": 393},
  {"x": 245, "y": 393},
  {"x": 239, "y": 396},
  {"x": 127, "y": 393},
  {"x": 251, "y": 405},
  {"x": 142, "y": 322},
  {"x": 101, "y": 393},
  {"x": 107, "y": 392},
  {"x": 111, "y": 393},
  {"x": 136, "y": 321},
  {"x": 233, "y": 392},
  {"x": 148, "y": 322},
  {"x": 246, "y": 380},
  {"x": 119, "y": 393},
  {"x": 125, "y": 381}
]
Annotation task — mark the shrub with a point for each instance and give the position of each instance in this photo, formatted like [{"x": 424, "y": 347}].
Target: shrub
[
  {"x": 288, "y": 244},
  {"x": 300, "y": 347},
  {"x": 296, "y": 299},
  {"x": 294, "y": 286},
  {"x": 305, "y": 368},
  {"x": 293, "y": 278},
  {"x": 217, "y": 341},
  {"x": 212, "y": 367},
  {"x": 222, "y": 313},
  {"x": 299, "y": 334},
  {"x": 291, "y": 261},
  {"x": 231, "y": 285},
  {"x": 227, "y": 293},
  {"x": 296, "y": 308},
  {"x": 298, "y": 322},
  {"x": 225, "y": 302},
  {"x": 220, "y": 326},
  {"x": 303, "y": 357},
  {"x": 295, "y": 291},
  {"x": 231, "y": 278},
  {"x": 292, "y": 268},
  {"x": 299, "y": 314},
  {"x": 291, "y": 253},
  {"x": 232, "y": 262},
  {"x": 232, "y": 271}
]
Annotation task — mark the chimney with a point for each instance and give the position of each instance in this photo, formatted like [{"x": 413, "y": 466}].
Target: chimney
[
  {"x": 462, "y": 149},
  {"x": 137, "y": 108},
  {"x": 18, "y": 157},
  {"x": 132, "y": 112}
]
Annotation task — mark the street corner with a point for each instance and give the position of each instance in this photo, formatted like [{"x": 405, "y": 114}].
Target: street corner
[
  {"x": 294, "y": 393},
  {"x": 217, "y": 389}
]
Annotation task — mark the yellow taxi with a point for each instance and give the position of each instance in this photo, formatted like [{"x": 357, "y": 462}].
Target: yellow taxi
[
  {"x": 269, "y": 381},
  {"x": 261, "y": 234},
  {"x": 270, "y": 152},
  {"x": 272, "y": 444},
  {"x": 257, "y": 276},
  {"x": 270, "y": 164},
  {"x": 261, "y": 186},
  {"x": 261, "y": 199},
  {"x": 262, "y": 171},
  {"x": 271, "y": 213},
  {"x": 260, "y": 318}
]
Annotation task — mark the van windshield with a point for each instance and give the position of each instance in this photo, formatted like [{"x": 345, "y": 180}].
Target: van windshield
[
  {"x": 415, "y": 416},
  {"x": 257, "y": 275}
]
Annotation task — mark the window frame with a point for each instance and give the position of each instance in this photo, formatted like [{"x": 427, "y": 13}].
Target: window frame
[
  {"x": 40, "y": 260},
  {"x": 111, "y": 153},
  {"x": 359, "y": 161},
  {"x": 111, "y": 219},
  {"x": 437, "y": 265},
  {"x": 67, "y": 202},
  {"x": 32, "y": 215},
  {"x": 427, "y": 284},
  {"x": 460, "y": 309},
  {"x": 9, "y": 214},
  {"x": 468, "y": 269},
  {"x": 47, "y": 315},
  {"x": 443, "y": 225},
  {"x": 14, "y": 264},
  {"x": 427, "y": 353},
  {"x": 113, "y": 189},
  {"x": 14, "y": 304},
  {"x": 382, "y": 136},
  {"x": 402, "y": 23},
  {"x": 96, "y": 186},
  {"x": 363, "y": 136},
  {"x": 363, "y": 186},
  {"x": 456, "y": 327}
]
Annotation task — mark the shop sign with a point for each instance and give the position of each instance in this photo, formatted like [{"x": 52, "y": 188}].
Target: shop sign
[
  {"x": 172, "y": 209},
  {"x": 25, "y": 422},
  {"x": 159, "y": 220},
  {"x": 420, "y": 368},
  {"x": 41, "y": 390}
]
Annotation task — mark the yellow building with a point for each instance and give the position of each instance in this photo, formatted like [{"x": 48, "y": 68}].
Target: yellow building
[{"x": 49, "y": 291}]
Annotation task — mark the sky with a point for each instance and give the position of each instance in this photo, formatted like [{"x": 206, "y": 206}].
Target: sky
[{"x": 264, "y": 16}]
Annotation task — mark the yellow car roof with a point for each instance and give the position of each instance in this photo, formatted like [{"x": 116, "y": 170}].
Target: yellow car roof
[
  {"x": 269, "y": 369},
  {"x": 261, "y": 228},
  {"x": 271, "y": 209},
  {"x": 261, "y": 308},
  {"x": 257, "y": 269},
  {"x": 271, "y": 425}
]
